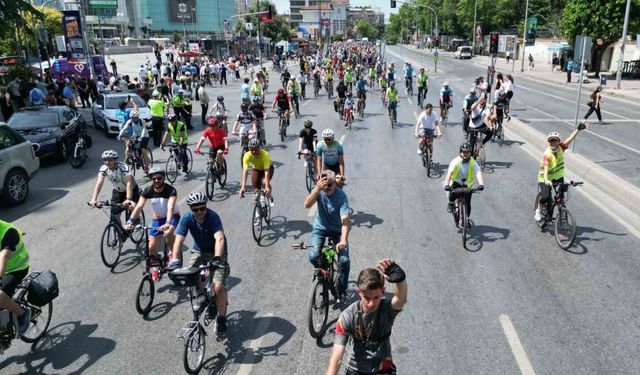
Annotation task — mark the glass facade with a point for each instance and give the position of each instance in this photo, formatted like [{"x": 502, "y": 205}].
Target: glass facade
[{"x": 200, "y": 15}]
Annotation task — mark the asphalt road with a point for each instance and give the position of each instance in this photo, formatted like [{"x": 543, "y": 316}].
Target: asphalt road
[{"x": 515, "y": 304}]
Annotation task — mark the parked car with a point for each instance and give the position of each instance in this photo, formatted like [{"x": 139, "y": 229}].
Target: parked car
[
  {"x": 463, "y": 52},
  {"x": 104, "y": 109},
  {"x": 52, "y": 130},
  {"x": 18, "y": 163}
]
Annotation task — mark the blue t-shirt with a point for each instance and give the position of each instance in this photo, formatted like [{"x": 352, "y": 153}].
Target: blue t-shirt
[
  {"x": 330, "y": 210},
  {"x": 123, "y": 117},
  {"x": 361, "y": 84},
  {"x": 202, "y": 233},
  {"x": 331, "y": 153},
  {"x": 244, "y": 91}
]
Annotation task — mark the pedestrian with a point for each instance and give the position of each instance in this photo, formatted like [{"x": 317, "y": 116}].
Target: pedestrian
[
  {"x": 36, "y": 96},
  {"x": 114, "y": 67},
  {"x": 508, "y": 56},
  {"x": 223, "y": 73},
  {"x": 158, "y": 107},
  {"x": 555, "y": 62},
  {"x": 5, "y": 104},
  {"x": 594, "y": 103},
  {"x": 569, "y": 68},
  {"x": 83, "y": 91},
  {"x": 14, "y": 91},
  {"x": 530, "y": 62},
  {"x": 204, "y": 102}
]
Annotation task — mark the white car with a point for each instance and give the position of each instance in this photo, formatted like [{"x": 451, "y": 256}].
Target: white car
[
  {"x": 463, "y": 52},
  {"x": 104, "y": 109},
  {"x": 18, "y": 163}
]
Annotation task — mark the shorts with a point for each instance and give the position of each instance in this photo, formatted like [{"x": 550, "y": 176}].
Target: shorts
[
  {"x": 213, "y": 151},
  {"x": 160, "y": 222},
  {"x": 199, "y": 259},
  {"x": 144, "y": 142},
  {"x": 258, "y": 175},
  {"x": 11, "y": 281},
  {"x": 333, "y": 167},
  {"x": 120, "y": 196}
]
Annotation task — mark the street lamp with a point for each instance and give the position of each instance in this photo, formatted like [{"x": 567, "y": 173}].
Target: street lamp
[
  {"x": 524, "y": 35},
  {"x": 473, "y": 31},
  {"x": 624, "y": 37},
  {"x": 182, "y": 8}
]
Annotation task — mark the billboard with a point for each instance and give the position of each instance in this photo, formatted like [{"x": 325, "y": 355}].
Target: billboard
[
  {"x": 72, "y": 30},
  {"x": 182, "y": 11}
]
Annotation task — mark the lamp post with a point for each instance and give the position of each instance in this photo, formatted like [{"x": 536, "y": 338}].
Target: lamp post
[
  {"x": 195, "y": 24},
  {"x": 624, "y": 36},
  {"x": 473, "y": 31},
  {"x": 182, "y": 8},
  {"x": 524, "y": 35}
]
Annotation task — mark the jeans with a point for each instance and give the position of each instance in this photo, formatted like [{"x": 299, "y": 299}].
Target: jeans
[
  {"x": 318, "y": 237},
  {"x": 158, "y": 128},
  {"x": 205, "y": 108}
]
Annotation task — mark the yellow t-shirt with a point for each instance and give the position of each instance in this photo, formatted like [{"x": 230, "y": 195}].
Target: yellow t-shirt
[{"x": 260, "y": 162}]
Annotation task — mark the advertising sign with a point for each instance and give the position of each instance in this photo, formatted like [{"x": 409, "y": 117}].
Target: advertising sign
[
  {"x": 72, "y": 30},
  {"x": 80, "y": 68},
  {"x": 182, "y": 11},
  {"x": 103, "y": 4}
]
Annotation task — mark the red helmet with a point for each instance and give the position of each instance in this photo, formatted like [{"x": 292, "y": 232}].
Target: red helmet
[
  {"x": 212, "y": 121},
  {"x": 281, "y": 91}
]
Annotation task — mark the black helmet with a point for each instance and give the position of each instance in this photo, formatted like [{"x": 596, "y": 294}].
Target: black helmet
[
  {"x": 308, "y": 124},
  {"x": 465, "y": 147},
  {"x": 221, "y": 98},
  {"x": 244, "y": 107}
]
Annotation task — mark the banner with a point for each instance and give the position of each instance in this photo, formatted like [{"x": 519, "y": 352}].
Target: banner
[
  {"x": 182, "y": 11},
  {"x": 72, "y": 30},
  {"x": 103, "y": 4}
]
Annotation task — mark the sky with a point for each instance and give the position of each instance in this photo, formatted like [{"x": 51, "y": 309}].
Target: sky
[{"x": 384, "y": 5}]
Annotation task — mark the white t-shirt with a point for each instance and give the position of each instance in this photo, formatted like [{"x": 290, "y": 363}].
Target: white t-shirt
[
  {"x": 461, "y": 178},
  {"x": 477, "y": 116},
  {"x": 118, "y": 177},
  {"x": 428, "y": 122}
]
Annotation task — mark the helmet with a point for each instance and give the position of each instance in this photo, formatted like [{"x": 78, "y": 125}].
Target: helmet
[
  {"x": 254, "y": 143},
  {"x": 256, "y": 99},
  {"x": 327, "y": 133},
  {"x": 244, "y": 107},
  {"x": 212, "y": 121},
  {"x": 281, "y": 91},
  {"x": 293, "y": 78},
  {"x": 465, "y": 147},
  {"x": 134, "y": 114},
  {"x": 156, "y": 170},
  {"x": 446, "y": 83},
  {"x": 180, "y": 92},
  {"x": 472, "y": 90},
  {"x": 501, "y": 93},
  {"x": 392, "y": 83},
  {"x": 308, "y": 124},
  {"x": 350, "y": 95},
  {"x": 221, "y": 98},
  {"x": 553, "y": 135},
  {"x": 171, "y": 117},
  {"x": 196, "y": 198},
  {"x": 110, "y": 154},
  {"x": 155, "y": 93}
]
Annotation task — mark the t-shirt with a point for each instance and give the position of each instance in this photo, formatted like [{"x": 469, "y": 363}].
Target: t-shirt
[
  {"x": 246, "y": 121},
  {"x": 331, "y": 210},
  {"x": 260, "y": 162},
  {"x": 118, "y": 176},
  {"x": 282, "y": 102},
  {"x": 160, "y": 199},
  {"x": 244, "y": 91},
  {"x": 353, "y": 323},
  {"x": 446, "y": 94},
  {"x": 477, "y": 116},
  {"x": 216, "y": 137},
  {"x": 257, "y": 109},
  {"x": 10, "y": 240},
  {"x": 202, "y": 232},
  {"x": 308, "y": 138},
  {"x": 428, "y": 122},
  {"x": 500, "y": 104},
  {"x": 342, "y": 91},
  {"x": 331, "y": 153}
]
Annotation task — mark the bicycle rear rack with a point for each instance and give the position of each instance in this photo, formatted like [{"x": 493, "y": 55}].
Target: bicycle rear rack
[{"x": 188, "y": 330}]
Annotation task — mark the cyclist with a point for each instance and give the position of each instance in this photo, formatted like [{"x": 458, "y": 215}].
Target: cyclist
[
  {"x": 341, "y": 91},
  {"x": 125, "y": 189},
  {"x": 349, "y": 105},
  {"x": 391, "y": 98},
  {"x": 302, "y": 78},
  {"x": 461, "y": 173},
  {"x": 247, "y": 122},
  {"x": 209, "y": 244},
  {"x": 361, "y": 91},
  {"x": 331, "y": 221},
  {"x": 256, "y": 90},
  {"x": 260, "y": 114},
  {"x": 384, "y": 84},
  {"x": 330, "y": 155},
  {"x": 500, "y": 107},
  {"x": 467, "y": 102},
  {"x": 427, "y": 124},
  {"x": 244, "y": 91},
  {"x": 348, "y": 78},
  {"x": 329, "y": 78},
  {"x": 293, "y": 89},
  {"x": 14, "y": 266},
  {"x": 423, "y": 86},
  {"x": 283, "y": 102},
  {"x": 140, "y": 131},
  {"x": 180, "y": 138},
  {"x": 479, "y": 113},
  {"x": 408, "y": 74},
  {"x": 217, "y": 140},
  {"x": 158, "y": 109},
  {"x": 219, "y": 109},
  {"x": 552, "y": 167},
  {"x": 446, "y": 98},
  {"x": 165, "y": 215},
  {"x": 391, "y": 72},
  {"x": 308, "y": 138},
  {"x": 372, "y": 76},
  {"x": 285, "y": 77},
  {"x": 262, "y": 169},
  {"x": 316, "y": 79},
  {"x": 369, "y": 322}
]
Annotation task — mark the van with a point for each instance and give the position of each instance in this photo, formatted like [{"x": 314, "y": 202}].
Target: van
[{"x": 463, "y": 52}]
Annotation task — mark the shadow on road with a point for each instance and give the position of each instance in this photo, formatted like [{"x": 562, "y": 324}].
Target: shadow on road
[
  {"x": 480, "y": 234},
  {"x": 38, "y": 200},
  {"x": 282, "y": 228},
  {"x": 581, "y": 238},
  {"x": 222, "y": 194},
  {"x": 361, "y": 219}
]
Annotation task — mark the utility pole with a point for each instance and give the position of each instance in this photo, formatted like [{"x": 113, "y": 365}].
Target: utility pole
[
  {"x": 584, "y": 46},
  {"x": 473, "y": 32},
  {"x": 258, "y": 34},
  {"x": 624, "y": 37},
  {"x": 524, "y": 35}
]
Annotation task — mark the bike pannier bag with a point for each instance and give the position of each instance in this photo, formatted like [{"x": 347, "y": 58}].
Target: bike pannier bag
[{"x": 43, "y": 288}]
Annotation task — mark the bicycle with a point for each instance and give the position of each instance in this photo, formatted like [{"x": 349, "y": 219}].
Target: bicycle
[
  {"x": 422, "y": 94},
  {"x": 563, "y": 222},
  {"x": 408, "y": 82},
  {"x": 360, "y": 107},
  {"x": 329, "y": 88},
  {"x": 393, "y": 112},
  {"x": 349, "y": 117},
  {"x": 174, "y": 162},
  {"x": 478, "y": 148},
  {"x": 310, "y": 168},
  {"x": 459, "y": 212},
  {"x": 193, "y": 333},
  {"x": 445, "y": 116},
  {"x": 261, "y": 215},
  {"x": 283, "y": 123},
  {"x": 325, "y": 281},
  {"x": 216, "y": 170},
  {"x": 498, "y": 134},
  {"x": 115, "y": 235},
  {"x": 426, "y": 151},
  {"x": 79, "y": 155},
  {"x": 134, "y": 157},
  {"x": 147, "y": 289},
  {"x": 296, "y": 104}
]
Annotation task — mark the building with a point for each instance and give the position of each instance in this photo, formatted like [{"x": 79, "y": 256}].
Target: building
[
  {"x": 243, "y": 5},
  {"x": 340, "y": 7},
  {"x": 332, "y": 15},
  {"x": 373, "y": 15}
]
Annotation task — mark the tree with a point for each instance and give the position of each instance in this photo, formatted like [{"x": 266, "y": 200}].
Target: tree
[
  {"x": 14, "y": 17},
  {"x": 277, "y": 30},
  {"x": 175, "y": 37},
  {"x": 600, "y": 20},
  {"x": 366, "y": 29}
]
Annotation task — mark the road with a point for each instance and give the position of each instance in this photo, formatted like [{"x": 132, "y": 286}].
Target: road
[{"x": 514, "y": 304}]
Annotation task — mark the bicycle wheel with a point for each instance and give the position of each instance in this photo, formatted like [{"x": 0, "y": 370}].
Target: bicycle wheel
[
  {"x": 391, "y": 118},
  {"x": 150, "y": 158},
  {"x": 171, "y": 169},
  {"x": 266, "y": 211},
  {"x": 222, "y": 174},
  {"x": 137, "y": 235},
  {"x": 78, "y": 159},
  {"x": 281, "y": 129},
  {"x": 111, "y": 245},
  {"x": 542, "y": 222},
  {"x": 309, "y": 177},
  {"x": 129, "y": 161},
  {"x": 463, "y": 221},
  {"x": 146, "y": 292},
  {"x": 256, "y": 223},
  {"x": 482, "y": 158},
  {"x": 565, "y": 228},
  {"x": 210, "y": 184},
  {"x": 194, "y": 351},
  {"x": 189, "y": 161},
  {"x": 39, "y": 323},
  {"x": 500, "y": 135},
  {"x": 427, "y": 160},
  {"x": 318, "y": 312}
]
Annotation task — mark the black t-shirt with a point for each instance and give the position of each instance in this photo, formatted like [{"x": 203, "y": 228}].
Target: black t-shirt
[
  {"x": 342, "y": 91},
  {"x": 307, "y": 139},
  {"x": 10, "y": 240},
  {"x": 500, "y": 104},
  {"x": 257, "y": 110}
]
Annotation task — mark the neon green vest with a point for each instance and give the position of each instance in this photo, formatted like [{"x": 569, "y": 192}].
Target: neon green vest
[
  {"x": 556, "y": 165},
  {"x": 176, "y": 133},
  {"x": 157, "y": 107},
  {"x": 456, "y": 170},
  {"x": 392, "y": 94},
  {"x": 19, "y": 259}
]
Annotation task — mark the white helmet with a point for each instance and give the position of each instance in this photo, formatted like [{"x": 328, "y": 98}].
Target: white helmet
[
  {"x": 110, "y": 154},
  {"x": 156, "y": 170},
  {"x": 196, "y": 198},
  {"x": 327, "y": 133},
  {"x": 155, "y": 93},
  {"x": 553, "y": 135}
]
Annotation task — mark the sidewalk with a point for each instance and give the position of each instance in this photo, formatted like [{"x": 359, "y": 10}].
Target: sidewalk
[{"x": 629, "y": 89}]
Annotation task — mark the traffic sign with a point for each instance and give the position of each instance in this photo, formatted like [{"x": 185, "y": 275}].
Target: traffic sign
[
  {"x": 248, "y": 26},
  {"x": 435, "y": 54},
  {"x": 436, "y": 58}
]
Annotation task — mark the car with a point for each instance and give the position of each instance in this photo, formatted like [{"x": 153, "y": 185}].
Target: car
[
  {"x": 103, "y": 112},
  {"x": 52, "y": 130},
  {"x": 18, "y": 164},
  {"x": 463, "y": 52}
]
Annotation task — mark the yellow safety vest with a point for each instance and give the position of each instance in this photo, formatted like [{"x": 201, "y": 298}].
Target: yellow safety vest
[
  {"x": 177, "y": 102},
  {"x": 556, "y": 165},
  {"x": 456, "y": 170},
  {"x": 157, "y": 107},
  {"x": 19, "y": 258},
  {"x": 176, "y": 133}
]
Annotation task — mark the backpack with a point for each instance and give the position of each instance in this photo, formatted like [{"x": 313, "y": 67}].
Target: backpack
[{"x": 43, "y": 288}]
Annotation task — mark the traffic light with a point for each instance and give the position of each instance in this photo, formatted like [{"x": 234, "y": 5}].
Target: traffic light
[
  {"x": 493, "y": 42},
  {"x": 268, "y": 16},
  {"x": 393, "y": 3}
]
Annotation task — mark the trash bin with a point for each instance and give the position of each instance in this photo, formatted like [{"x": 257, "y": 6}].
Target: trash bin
[{"x": 603, "y": 80}]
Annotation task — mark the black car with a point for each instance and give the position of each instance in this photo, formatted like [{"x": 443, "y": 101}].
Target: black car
[{"x": 52, "y": 130}]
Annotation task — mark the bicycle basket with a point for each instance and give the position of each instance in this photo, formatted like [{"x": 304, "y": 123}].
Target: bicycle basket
[
  {"x": 185, "y": 276},
  {"x": 43, "y": 288}
]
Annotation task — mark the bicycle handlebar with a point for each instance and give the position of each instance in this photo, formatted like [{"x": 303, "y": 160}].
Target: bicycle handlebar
[{"x": 101, "y": 204}]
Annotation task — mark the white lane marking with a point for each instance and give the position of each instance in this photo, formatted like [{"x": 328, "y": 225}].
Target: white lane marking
[
  {"x": 409, "y": 99},
  {"x": 314, "y": 208},
  {"x": 306, "y": 102},
  {"x": 516, "y": 346},
  {"x": 416, "y": 62},
  {"x": 254, "y": 345},
  {"x": 571, "y": 120}
]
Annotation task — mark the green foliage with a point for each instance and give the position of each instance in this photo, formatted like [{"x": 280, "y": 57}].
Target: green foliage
[
  {"x": 367, "y": 30},
  {"x": 277, "y": 30},
  {"x": 336, "y": 38},
  {"x": 175, "y": 37},
  {"x": 598, "y": 19}
]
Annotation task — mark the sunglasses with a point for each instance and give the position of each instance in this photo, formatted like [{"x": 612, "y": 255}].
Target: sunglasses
[
  {"x": 109, "y": 159},
  {"x": 198, "y": 209},
  {"x": 157, "y": 178}
]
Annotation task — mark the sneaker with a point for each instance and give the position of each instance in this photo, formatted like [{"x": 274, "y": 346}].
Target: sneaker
[
  {"x": 256, "y": 221},
  {"x": 174, "y": 264},
  {"x": 23, "y": 322},
  {"x": 342, "y": 297},
  {"x": 221, "y": 324},
  {"x": 271, "y": 202},
  {"x": 538, "y": 214},
  {"x": 419, "y": 152},
  {"x": 450, "y": 207},
  {"x": 155, "y": 274}
]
